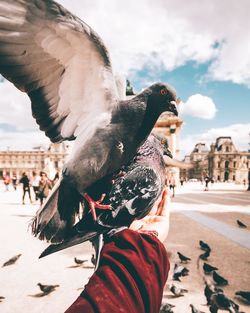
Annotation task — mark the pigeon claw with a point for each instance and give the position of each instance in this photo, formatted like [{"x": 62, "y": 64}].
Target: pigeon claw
[{"x": 96, "y": 204}]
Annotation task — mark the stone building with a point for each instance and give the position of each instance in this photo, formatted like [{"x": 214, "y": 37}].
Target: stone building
[
  {"x": 169, "y": 126},
  {"x": 49, "y": 160},
  {"x": 223, "y": 162}
]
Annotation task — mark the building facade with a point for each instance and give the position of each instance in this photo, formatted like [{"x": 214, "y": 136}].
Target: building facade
[
  {"x": 49, "y": 160},
  {"x": 223, "y": 162}
]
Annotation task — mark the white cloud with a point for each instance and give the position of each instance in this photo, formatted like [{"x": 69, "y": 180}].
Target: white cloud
[
  {"x": 238, "y": 132},
  {"x": 22, "y": 140},
  {"x": 15, "y": 108},
  {"x": 198, "y": 106},
  {"x": 169, "y": 33}
]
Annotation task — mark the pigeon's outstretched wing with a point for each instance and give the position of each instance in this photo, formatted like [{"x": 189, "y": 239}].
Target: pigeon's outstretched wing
[{"x": 77, "y": 80}]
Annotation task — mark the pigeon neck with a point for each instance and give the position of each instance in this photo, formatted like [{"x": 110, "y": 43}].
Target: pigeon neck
[{"x": 150, "y": 117}]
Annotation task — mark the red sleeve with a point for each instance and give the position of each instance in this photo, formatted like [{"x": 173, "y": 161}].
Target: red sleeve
[{"x": 131, "y": 276}]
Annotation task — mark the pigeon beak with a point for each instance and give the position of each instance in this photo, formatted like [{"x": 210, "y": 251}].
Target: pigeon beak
[{"x": 173, "y": 107}]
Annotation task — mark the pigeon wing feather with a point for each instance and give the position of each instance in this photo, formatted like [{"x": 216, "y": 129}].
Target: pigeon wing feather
[{"x": 59, "y": 61}]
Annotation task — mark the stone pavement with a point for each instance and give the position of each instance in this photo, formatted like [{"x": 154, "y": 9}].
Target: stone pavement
[{"x": 222, "y": 204}]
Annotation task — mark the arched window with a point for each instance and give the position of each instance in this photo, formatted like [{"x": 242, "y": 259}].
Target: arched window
[
  {"x": 226, "y": 164},
  {"x": 227, "y": 149}
]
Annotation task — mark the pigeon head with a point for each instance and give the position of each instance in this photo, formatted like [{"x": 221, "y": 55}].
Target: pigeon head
[{"x": 163, "y": 98}]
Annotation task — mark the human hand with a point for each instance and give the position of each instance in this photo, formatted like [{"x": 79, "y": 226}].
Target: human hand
[{"x": 158, "y": 218}]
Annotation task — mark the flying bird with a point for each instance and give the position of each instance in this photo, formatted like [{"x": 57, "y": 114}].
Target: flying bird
[
  {"x": 131, "y": 194},
  {"x": 240, "y": 224},
  {"x": 65, "y": 69},
  {"x": 183, "y": 258},
  {"x": 46, "y": 289},
  {"x": 210, "y": 289},
  {"x": 166, "y": 308},
  {"x": 194, "y": 310},
  {"x": 11, "y": 260},
  {"x": 204, "y": 256},
  {"x": 208, "y": 269},
  {"x": 219, "y": 301},
  {"x": 219, "y": 280},
  {"x": 178, "y": 292},
  {"x": 244, "y": 294},
  {"x": 179, "y": 271},
  {"x": 204, "y": 246},
  {"x": 79, "y": 261}
]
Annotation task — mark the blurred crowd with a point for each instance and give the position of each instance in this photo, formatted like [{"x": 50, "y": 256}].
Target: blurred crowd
[{"x": 36, "y": 186}]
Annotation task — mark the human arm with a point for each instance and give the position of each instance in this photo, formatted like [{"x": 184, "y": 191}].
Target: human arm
[{"x": 133, "y": 269}]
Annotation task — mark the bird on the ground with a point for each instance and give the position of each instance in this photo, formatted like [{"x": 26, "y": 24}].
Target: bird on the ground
[
  {"x": 208, "y": 269},
  {"x": 204, "y": 246},
  {"x": 194, "y": 310},
  {"x": 93, "y": 259},
  {"x": 219, "y": 280},
  {"x": 1, "y": 298},
  {"x": 65, "y": 69},
  {"x": 178, "y": 292},
  {"x": 47, "y": 288},
  {"x": 12, "y": 260},
  {"x": 79, "y": 261},
  {"x": 166, "y": 308},
  {"x": 209, "y": 290},
  {"x": 179, "y": 271},
  {"x": 183, "y": 258},
  {"x": 204, "y": 256},
  {"x": 244, "y": 294},
  {"x": 131, "y": 193},
  {"x": 219, "y": 301},
  {"x": 240, "y": 224}
]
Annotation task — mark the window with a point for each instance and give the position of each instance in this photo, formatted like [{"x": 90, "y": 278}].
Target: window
[
  {"x": 218, "y": 164},
  {"x": 227, "y": 149},
  {"x": 234, "y": 164},
  {"x": 226, "y": 164}
]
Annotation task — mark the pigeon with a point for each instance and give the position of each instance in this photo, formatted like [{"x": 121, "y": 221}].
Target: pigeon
[
  {"x": 47, "y": 288},
  {"x": 131, "y": 193},
  {"x": 204, "y": 256},
  {"x": 204, "y": 246},
  {"x": 183, "y": 258},
  {"x": 178, "y": 292},
  {"x": 12, "y": 260},
  {"x": 219, "y": 280},
  {"x": 194, "y": 310},
  {"x": 220, "y": 301},
  {"x": 179, "y": 271},
  {"x": 1, "y": 298},
  {"x": 244, "y": 294},
  {"x": 208, "y": 269},
  {"x": 79, "y": 261},
  {"x": 65, "y": 69},
  {"x": 209, "y": 290},
  {"x": 166, "y": 308},
  {"x": 240, "y": 224}
]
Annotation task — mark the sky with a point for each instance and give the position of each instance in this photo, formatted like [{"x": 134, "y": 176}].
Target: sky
[{"x": 201, "y": 48}]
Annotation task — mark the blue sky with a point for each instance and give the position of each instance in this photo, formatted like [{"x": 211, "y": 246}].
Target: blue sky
[{"x": 201, "y": 48}]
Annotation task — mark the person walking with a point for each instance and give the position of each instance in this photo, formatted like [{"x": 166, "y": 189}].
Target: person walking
[
  {"x": 14, "y": 181},
  {"x": 26, "y": 186},
  {"x": 44, "y": 187},
  {"x": 35, "y": 180}
]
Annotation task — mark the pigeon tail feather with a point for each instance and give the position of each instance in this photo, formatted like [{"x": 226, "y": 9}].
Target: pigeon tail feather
[{"x": 57, "y": 215}]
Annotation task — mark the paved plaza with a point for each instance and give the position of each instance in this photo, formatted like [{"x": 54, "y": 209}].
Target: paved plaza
[{"x": 196, "y": 215}]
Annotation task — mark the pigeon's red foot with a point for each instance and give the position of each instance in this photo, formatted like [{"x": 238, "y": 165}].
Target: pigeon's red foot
[{"x": 96, "y": 204}]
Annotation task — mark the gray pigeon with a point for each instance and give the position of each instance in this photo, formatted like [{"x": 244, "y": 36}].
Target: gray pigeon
[
  {"x": 178, "y": 292},
  {"x": 65, "y": 69},
  {"x": 244, "y": 294},
  {"x": 166, "y": 308},
  {"x": 12, "y": 260},
  {"x": 131, "y": 194},
  {"x": 46, "y": 289}
]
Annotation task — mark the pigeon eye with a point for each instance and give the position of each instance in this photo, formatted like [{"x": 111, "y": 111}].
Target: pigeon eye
[{"x": 163, "y": 91}]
